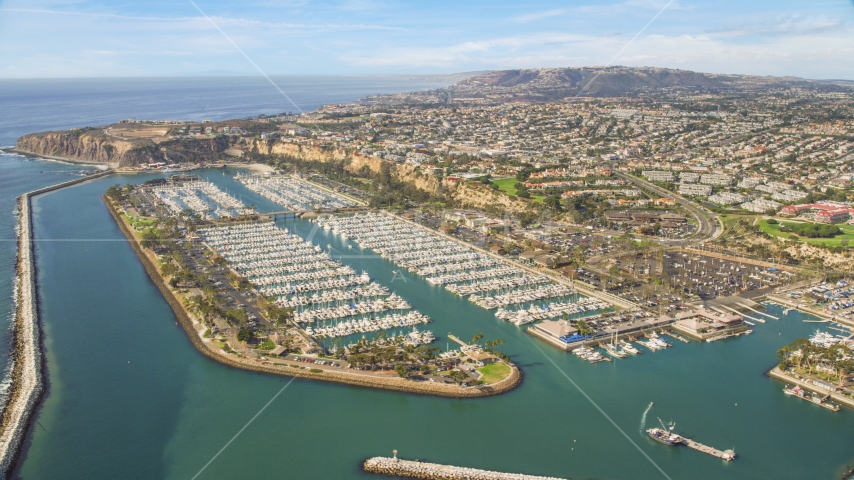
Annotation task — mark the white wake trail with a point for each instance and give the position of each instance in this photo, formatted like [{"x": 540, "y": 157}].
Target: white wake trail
[{"x": 643, "y": 419}]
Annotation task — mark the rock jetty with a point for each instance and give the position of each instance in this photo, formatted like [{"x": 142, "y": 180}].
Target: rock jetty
[
  {"x": 433, "y": 471},
  {"x": 27, "y": 376}
]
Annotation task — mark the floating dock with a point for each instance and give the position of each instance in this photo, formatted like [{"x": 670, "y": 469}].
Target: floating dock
[
  {"x": 728, "y": 455},
  {"x": 677, "y": 337}
]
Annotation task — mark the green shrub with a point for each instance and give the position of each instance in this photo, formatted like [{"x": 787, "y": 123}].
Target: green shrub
[{"x": 812, "y": 230}]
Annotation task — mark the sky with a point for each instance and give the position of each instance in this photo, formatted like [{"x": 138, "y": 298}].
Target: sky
[{"x": 142, "y": 38}]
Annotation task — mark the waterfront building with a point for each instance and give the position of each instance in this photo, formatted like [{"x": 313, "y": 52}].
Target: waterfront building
[{"x": 701, "y": 324}]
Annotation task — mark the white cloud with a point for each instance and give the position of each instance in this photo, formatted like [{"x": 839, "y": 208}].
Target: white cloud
[
  {"x": 789, "y": 25},
  {"x": 221, "y": 21},
  {"x": 540, "y": 15},
  {"x": 821, "y": 56}
]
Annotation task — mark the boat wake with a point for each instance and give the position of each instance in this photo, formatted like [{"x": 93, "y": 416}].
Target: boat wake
[{"x": 643, "y": 419}]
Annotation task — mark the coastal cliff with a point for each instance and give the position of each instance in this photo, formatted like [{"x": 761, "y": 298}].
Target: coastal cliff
[
  {"x": 87, "y": 146},
  {"x": 458, "y": 192},
  {"x": 403, "y": 172},
  {"x": 105, "y": 146}
]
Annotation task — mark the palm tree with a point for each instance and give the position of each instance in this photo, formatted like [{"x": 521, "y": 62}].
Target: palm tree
[{"x": 477, "y": 337}]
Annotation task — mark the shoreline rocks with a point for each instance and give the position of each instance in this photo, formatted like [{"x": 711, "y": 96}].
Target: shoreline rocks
[
  {"x": 27, "y": 375},
  {"x": 433, "y": 471}
]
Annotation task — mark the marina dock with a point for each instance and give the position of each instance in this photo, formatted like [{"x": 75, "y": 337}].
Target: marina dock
[{"x": 727, "y": 455}]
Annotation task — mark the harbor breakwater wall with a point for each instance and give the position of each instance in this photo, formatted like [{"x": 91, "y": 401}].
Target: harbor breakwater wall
[
  {"x": 349, "y": 378},
  {"x": 26, "y": 384},
  {"x": 807, "y": 384},
  {"x": 433, "y": 471}
]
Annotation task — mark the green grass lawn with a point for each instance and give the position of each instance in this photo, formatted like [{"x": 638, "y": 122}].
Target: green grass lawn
[
  {"x": 506, "y": 186},
  {"x": 494, "y": 372},
  {"x": 847, "y": 233},
  {"x": 140, "y": 223}
]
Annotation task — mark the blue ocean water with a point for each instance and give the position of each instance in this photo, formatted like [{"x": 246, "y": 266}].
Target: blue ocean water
[
  {"x": 19, "y": 175},
  {"x": 35, "y": 105},
  {"x": 130, "y": 397}
]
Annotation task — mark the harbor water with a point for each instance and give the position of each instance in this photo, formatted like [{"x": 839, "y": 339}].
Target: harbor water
[{"x": 129, "y": 397}]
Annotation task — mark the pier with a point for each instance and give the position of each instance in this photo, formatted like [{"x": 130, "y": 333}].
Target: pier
[
  {"x": 299, "y": 213},
  {"x": 727, "y": 455},
  {"x": 433, "y": 471}
]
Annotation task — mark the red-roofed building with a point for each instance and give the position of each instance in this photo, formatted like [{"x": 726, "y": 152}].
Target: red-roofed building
[
  {"x": 824, "y": 212},
  {"x": 796, "y": 209},
  {"x": 835, "y": 215}
]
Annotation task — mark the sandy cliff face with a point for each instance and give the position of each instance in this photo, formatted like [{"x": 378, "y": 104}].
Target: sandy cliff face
[
  {"x": 403, "y": 172},
  {"x": 463, "y": 194},
  {"x": 480, "y": 196},
  {"x": 90, "y": 146}
]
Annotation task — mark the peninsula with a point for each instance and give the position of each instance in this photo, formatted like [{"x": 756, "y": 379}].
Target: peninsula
[{"x": 235, "y": 318}]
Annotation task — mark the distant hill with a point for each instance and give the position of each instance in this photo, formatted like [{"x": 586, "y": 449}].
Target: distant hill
[{"x": 545, "y": 84}]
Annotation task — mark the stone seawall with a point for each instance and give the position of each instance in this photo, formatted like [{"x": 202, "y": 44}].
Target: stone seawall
[
  {"x": 806, "y": 384},
  {"x": 27, "y": 376},
  {"x": 433, "y": 471},
  {"x": 349, "y": 378}
]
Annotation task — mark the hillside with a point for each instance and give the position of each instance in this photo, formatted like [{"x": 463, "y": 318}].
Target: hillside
[{"x": 549, "y": 84}]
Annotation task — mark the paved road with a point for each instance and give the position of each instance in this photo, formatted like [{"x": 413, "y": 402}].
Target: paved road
[{"x": 707, "y": 225}]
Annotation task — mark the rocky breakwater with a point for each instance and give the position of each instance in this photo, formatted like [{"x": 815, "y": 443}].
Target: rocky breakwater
[
  {"x": 27, "y": 376},
  {"x": 26, "y": 383},
  {"x": 409, "y": 469}
]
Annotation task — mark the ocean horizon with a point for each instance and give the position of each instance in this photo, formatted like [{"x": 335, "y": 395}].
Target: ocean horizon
[{"x": 36, "y": 105}]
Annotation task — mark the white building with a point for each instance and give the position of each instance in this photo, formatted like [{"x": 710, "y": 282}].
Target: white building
[
  {"x": 727, "y": 198},
  {"x": 688, "y": 177},
  {"x": 760, "y": 205},
  {"x": 700, "y": 190},
  {"x": 789, "y": 195},
  {"x": 715, "y": 179},
  {"x": 750, "y": 182},
  {"x": 658, "y": 176}
]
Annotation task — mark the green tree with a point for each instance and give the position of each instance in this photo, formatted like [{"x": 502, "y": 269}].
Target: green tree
[
  {"x": 458, "y": 376},
  {"x": 244, "y": 335},
  {"x": 236, "y": 316},
  {"x": 553, "y": 202},
  {"x": 783, "y": 357},
  {"x": 583, "y": 328},
  {"x": 401, "y": 370}
]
